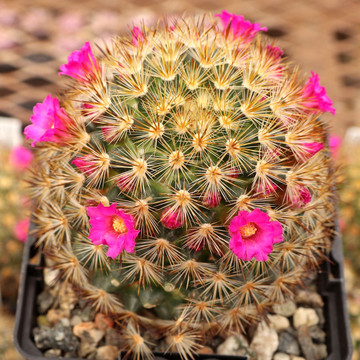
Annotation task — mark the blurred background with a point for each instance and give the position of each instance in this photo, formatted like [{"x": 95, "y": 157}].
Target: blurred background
[{"x": 321, "y": 36}]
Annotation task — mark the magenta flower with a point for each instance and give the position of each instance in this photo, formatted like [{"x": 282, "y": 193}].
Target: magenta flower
[
  {"x": 300, "y": 196},
  {"x": 171, "y": 219},
  {"x": 310, "y": 149},
  {"x": 233, "y": 172},
  {"x": 125, "y": 183},
  {"x": 334, "y": 143},
  {"x": 267, "y": 189},
  {"x": 49, "y": 122},
  {"x": 85, "y": 165},
  {"x": 239, "y": 26},
  {"x": 137, "y": 36},
  {"x": 108, "y": 133},
  {"x": 211, "y": 200},
  {"x": 21, "y": 157},
  {"x": 314, "y": 96},
  {"x": 253, "y": 235},
  {"x": 21, "y": 229},
  {"x": 272, "y": 154},
  {"x": 111, "y": 226},
  {"x": 81, "y": 65},
  {"x": 275, "y": 52}
]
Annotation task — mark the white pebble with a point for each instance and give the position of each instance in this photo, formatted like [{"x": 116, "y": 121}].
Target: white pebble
[
  {"x": 234, "y": 345},
  {"x": 265, "y": 342},
  {"x": 281, "y": 356},
  {"x": 304, "y": 316},
  {"x": 279, "y": 322},
  {"x": 287, "y": 308}
]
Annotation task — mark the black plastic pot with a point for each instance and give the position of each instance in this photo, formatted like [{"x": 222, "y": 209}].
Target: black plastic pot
[{"x": 331, "y": 286}]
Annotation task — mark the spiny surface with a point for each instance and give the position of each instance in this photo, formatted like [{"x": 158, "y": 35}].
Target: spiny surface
[{"x": 186, "y": 129}]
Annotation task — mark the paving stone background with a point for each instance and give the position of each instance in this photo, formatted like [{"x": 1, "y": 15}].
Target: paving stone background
[{"x": 322, "y": 36}]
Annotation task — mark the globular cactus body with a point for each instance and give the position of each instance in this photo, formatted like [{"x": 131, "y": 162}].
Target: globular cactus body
[{"x": 183, "y": 183}]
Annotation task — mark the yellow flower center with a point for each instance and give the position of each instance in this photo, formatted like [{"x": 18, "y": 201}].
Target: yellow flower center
[
  {"x": 119, "y": 225},
  {"x": 248, "y": 230}
]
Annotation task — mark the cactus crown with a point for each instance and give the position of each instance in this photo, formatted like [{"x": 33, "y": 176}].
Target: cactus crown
[{"x": 183, "y": 181}]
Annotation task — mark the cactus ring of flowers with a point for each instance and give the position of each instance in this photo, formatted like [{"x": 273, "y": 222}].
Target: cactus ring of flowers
[{"x": 183, "y": 181}]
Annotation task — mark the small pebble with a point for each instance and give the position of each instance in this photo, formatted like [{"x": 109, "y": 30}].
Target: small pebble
[
  {"x": 51, "y": 353},
  {"x": 53, "y": 316},
  {"x": 44, "y": 301},
  {"x": 317, "y": 334},
  {"x": 309, "y": 298},
  {"x": 107, "y": 352},
  {"x": 80, "y": 329},
  {"x": 87, "y": 314},
  {"x": 71, "y": 354},
  {"x": 320, "y": 314},
  {"x": 86, "y": 348},
  {"x": 234, "y": 345},
  {"x": 281, "y": 356},
  {"x": 279, "y": 322},
  {"x": 65, "y": 322},
  {"x": 50, "y": 276},
  {"x": 206, "y": 350},
  {"x": 288, "y": 343},
  {"x": 58, "y": 337},
  {"x": 42, "y": 321},
  {"x": 88, "y": 332},
  {"x": 103, "y": 321},
  {"x": 265, "y": 342},
  {"x": 320, "y": 351},
  {"x": 75, "y": 320},
  {"x": 286, "y": 309},
  {"x": 306, "y": 343},
  {"x": 305, "y": 316},
  {"x": 67, "y": 297}
]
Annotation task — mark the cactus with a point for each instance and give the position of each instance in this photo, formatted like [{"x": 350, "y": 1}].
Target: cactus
[{"x": 183, "y": 181}]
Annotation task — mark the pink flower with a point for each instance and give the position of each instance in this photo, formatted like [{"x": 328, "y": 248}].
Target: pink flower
[
  {"x": 272, "y": 155},
  {"x": 111, "y": 226},
  {"x": 21, "y": 229},
  {"x": 171, "y": 219},
  {"x": 233, "y": 172},
  {"x": 81, "y": 65},
  {"x": 137, "y": 36},
  {"x": 275, "y": 52},
  {"x": 49, "y": 122},
  {"x": 21, "y": 157},
  {"x": 314, "y": 95},
  {"x": 310, "y": 149},
  {"x": 239, "y": 26},
  {"x": 85, "y": 165},
  {"x": 198, "y": 246},
  {"x": 211, "y": 200},
  {"x": 300, "y": 196},
  {"x": 334, "y": 143},
  {"x": 125, "y": 183},
  {"x": 108, "y": 133},
  {"x": 268, "y": 189},
  {"x": 253, "y": 235}
]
